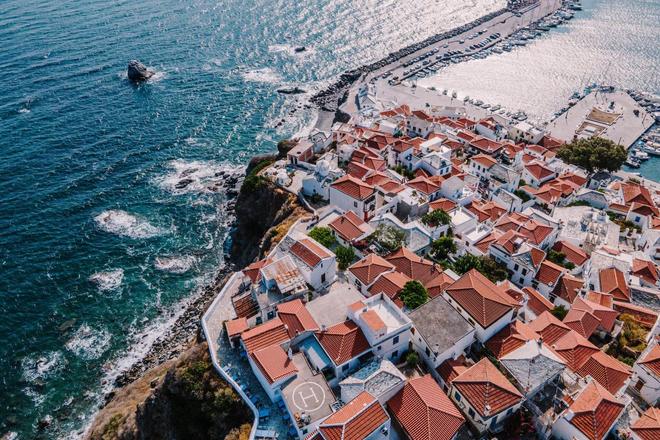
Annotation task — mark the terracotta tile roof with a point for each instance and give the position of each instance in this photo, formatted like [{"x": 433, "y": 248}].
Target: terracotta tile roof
[
  {"x": 485, "y": 242},
  {"x": 274, "y": 363},
  {"x": 539, "y": 170},
  {"x": 652, "y": 360},
  {"x": 367, "y": 269},
  {"x": 549, "y": 273},
  {"x": 604, "y": 299},
  {"x": 443, "y": 204},
  {"x": 568, "y": 288},
  {"x": 643, "y": 316},
  {"x": 633, "y": 192},
  {"x": 296, "y": 317},
  {"x": 582, "y": 320},
  {"x": 486, "y": 145},
  {"x": 513, "y": 291},
  {"x": 353, "y": 187},
  {"x": 606, "y": 315},
  {"x": 608, "y": 371},
  {"x": 510, "y": 338},
  {"x": 613, "y": 281},
  {"x": 356, "y": 420},
  {"x": 645, "y": 270},
  {"x": 483, "y": 300},
  {"x": 357, "y": 169},
  {"x": 236, "y": 326},
  {"x": 487, "y": 211},
  {"x": 595, "y": 411},
  {"x": 424, "y": 411},
  {"x": 264, "y": 335},
  {"x": 510, "y": 241},
  {"x": 342, "y": 342},
  {"x": 373, "y": 320},
  {"x": 390, "y": 283},
  {"x": 487, "y": 390},
  {"x": 575, "y": 349},
  {"x": 535, "y": 231},
  {"x": 537, "y": 302},
  {"x": 413, "y": 266},
  {"x": 484, "y": 160},
  {"x": 573, "y": 253},
  {"x": 423, "y": 185},
  {"x": 451, "y": 368},
  {"x": 549, "y": 327},
  {"x": 647, "y": 427},
  {"x": 309, "y": 252},
  {"x": 253, "y": 270},
  {"x": 437, "y": 285},
  {"x": 245, "y": 306},
  {"x": 349, "y": 226}
]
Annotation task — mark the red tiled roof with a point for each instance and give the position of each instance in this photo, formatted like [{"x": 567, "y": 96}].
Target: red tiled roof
[
  {"x": 645, "y": 270},
  {"x": 423, "y": 185},
  {"x": 367, "y": 269},
  {"x": 236, "y": 326},
  {"x": 274, "y": 363},
  {"x": 647, "y": 427},
  {"x": 451, "y": 368},
  {"x": 356, "y": 420},
  {"x": 609, "y": 372},
  {"x": 575, "y": 349},
  {"x": 309, "y": 252},
  {"x": 604, "y": 299},
  {"x": 348, "y": 226},
  {"x": 595, "y": 411},
  {"x": 606, "y": 315},
  {"x": 424, "y": 410},
  {"x": 486, "y": 388},
  {"x": 537, "y": 302},
  {"x": 484, "y": 160},
  {"x": 535, "y": 231},
  {"x": 573, "y": 253},
  {"x": 482, "y": 299},
  {"x": 549, "y": 327},
  {"x": 443, "y": 204},
  {"x": 568, "y": 288},
  {"x": 253, "y": 270},
  {"x": 643, "y": 316},
  {"x": 633, "y": 192},
  {"x": 390, "y": 283},
  {"x": 437, "y": 285},
  {"x": 510, "y": 338},
  {"x": 582, "y": 320},
  {"x": 485, "y": 242},
  {"x": 413, "y": 266},
  {"x": 264, "y": 335},
  {"x": 613, "y": 281},
  {"x": 296, "y": 317},
  {"x": 539, "y": 170},
  {"x": 549, "y": 273},
  {"x": 652, "y": 360},
  {"x": 342, "y": 342},
  {"x": 353, "y": 187}
]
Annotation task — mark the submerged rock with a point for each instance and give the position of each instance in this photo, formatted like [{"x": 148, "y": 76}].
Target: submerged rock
[
  {"x": 291, "y": 91},
  {"x": 138, "y": 71},
  {"x": 300, "y": 49}
]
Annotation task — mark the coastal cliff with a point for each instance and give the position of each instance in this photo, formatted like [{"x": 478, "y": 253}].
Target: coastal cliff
[{"x": 181, "y": 399}]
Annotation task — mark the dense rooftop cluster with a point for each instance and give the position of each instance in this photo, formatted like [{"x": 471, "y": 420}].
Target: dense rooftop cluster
[{"x": 539, "y": 284}]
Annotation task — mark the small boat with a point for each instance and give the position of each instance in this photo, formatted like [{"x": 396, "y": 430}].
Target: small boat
[
  {"x": 640, "y": 155},
  {"x": 466, "y": 99},
  {"x": 495, "y": 108},
  {"x": 478, "y": 102},
  {"x": 454, "y": 94},
  {"x": 632, "y": 163}
]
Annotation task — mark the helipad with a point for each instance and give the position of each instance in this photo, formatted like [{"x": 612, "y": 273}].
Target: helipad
[{"x": 308, "y": 393}]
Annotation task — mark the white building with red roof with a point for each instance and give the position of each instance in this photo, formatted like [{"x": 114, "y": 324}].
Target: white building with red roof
[
  {"x": 485, "y": 305},
  {"x": 646, "y": 374},
  {"x": 363, "y": 418},
  {"x": 346, "y": 347},
  {"x": 536, "y": 173},
  {"x": 424, "y": 412},
  {"x": 591, "y": 416},
  {"x": 351, "y": 194},
  {"x": 317, "y": 264},
  {"x": 348, "y": 228},
  {"x": 362, "y": 274},
  {"x": 647, "y": 427},
  {"x": 485, "y": 396}
]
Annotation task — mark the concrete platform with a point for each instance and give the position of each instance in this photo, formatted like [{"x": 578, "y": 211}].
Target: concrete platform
[{"x": 617, "y": 123}]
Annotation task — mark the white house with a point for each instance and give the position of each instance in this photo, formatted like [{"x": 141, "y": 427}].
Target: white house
[
  {"x": 317, "y": 264},
  {"x": 351, "y": 194},
  {"x": 646, "y": 375}
]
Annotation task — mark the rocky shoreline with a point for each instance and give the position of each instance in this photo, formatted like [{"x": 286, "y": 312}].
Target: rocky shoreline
[{"x": 332, "y": 97}]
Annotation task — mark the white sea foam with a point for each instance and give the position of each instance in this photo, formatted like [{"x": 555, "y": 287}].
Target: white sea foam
[
  {"x": 264, "y": 75},
  {"x": 24, "y": 110},
  {"x": 38, "y": 367},
  {"x": 175, "y": 264},
  {"x": 108, "y": 280},
  {"x": 195, "y": 176},
  {"x": 89, "y": 343},
  {"x": 122, "y": 223}
]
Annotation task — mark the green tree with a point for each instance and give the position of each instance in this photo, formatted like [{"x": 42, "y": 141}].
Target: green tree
[
  {"x": 345, "y": 256},
  {"x": 412, "y": 358},
  {"x": 488, "y": 267},
  {"x": 323, "y": 235},
  {"x": 414, "y": 294},
  {"x": 594, "y": 154},
  {"x": 436, "y": 218},
  {"x": 389, "y": 237},
  {"x": 560, "y": 259},
  {"x": 442, "y": 247},
  {"x": 559, "y": 312}
]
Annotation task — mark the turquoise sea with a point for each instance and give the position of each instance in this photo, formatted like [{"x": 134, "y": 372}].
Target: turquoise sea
[{"x": 100, "y": 245}]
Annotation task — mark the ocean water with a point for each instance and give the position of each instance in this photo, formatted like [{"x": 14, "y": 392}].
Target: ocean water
[{"x": 100, "y": 246}]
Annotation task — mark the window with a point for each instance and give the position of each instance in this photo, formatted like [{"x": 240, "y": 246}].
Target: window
[
  {"x": 344, "y": 368},
  {"x": 355, "y": 204},
  {"x": 471, "y": 412},
  {"x": 457, "y": 396},
  {"x": 395, "y": 340},
  {"x": 428, "y": 352},
  {"x": 493, "y": 422},
  {"x": 394, "y": 354},
  {"x": 323, "y": 278},
  {"x": 380, "y": 347},
  {"x": 524, "y": 271},
  {"x": 509, "y": 412},
  {"x": 516, "y": 267}
]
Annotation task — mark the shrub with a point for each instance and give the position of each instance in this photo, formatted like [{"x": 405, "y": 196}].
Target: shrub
[
  {"x": 345, "y": 256},
  {"x": 488, "y": 267},
  {"x": 414, "y": 294},
  {"x": 412, "y": 358},
  {"x": 559, "y": 312},
  {"x": 323, "y": 235},
  {"x": 442, "y": 247},
  {"x": 388, "y": 237},
  {"x": 436, "y": 218}
]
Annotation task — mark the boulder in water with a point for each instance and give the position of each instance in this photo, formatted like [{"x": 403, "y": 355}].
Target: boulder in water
[
  {"x": 138, "y": 71},
  {"x": 300, "y": 49}
]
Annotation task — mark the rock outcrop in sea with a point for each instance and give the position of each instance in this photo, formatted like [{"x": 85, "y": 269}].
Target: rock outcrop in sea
[{"x": 137, "y": 71}]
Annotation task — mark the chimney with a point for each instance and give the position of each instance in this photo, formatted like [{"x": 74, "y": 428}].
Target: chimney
[
  {"x": 540, "y": 342},
  {"x": 324, "y": 328}
]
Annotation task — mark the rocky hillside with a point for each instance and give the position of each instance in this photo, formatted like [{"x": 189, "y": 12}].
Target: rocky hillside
[{"x": 182, "y": 399}]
